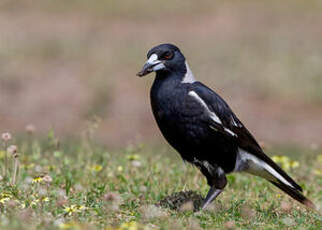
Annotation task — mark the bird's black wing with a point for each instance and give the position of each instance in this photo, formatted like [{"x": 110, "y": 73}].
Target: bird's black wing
[{"x": 230, "y": 122}]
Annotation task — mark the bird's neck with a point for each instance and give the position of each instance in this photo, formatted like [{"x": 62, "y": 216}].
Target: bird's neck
[
  {"x": 164, "y": 85},
  {"x": 167, "y": 80},
  {"x": 183, "y": 75},
  {"x": 188, "y": 76}
]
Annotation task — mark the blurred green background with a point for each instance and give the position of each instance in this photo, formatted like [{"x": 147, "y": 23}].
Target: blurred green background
[{"x": 64, "y": 62}]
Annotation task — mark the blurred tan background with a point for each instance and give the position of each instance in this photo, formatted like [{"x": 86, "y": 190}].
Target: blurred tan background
[{"x": 63, "y": 62}]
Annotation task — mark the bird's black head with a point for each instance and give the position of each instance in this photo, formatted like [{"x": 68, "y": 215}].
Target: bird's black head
[{"x": 164, "y": 58}]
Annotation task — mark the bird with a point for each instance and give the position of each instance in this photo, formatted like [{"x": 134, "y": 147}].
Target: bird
[{"x": 203, "y": 129}]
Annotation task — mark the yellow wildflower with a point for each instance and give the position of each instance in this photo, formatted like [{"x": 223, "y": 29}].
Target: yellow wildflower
[
  {"x": 317, "y": 172},
  {"x": 294, "y": 164},
  {"x": 71, "y": 209},
  {"x": 34, "y": 202},
  {"x": 22, "y": 205},
  {"x": 129, "y": 226},
  {"x": 285, "y": 162},
  {"x": 74, "y": 208},
  {"x": 120, "y": 168},
  {"x": 319, "y": 158},
  {"x": 2, "y": 154},
  {"x": 45, "y": 199},
  {"x": 5, "y": 194},
  {"x": 109, "y": 228},
  {"x": 284, "y": 159},
  {"x": 81, "y": 207},
  {"x": 37, "y": 180},
  {"x": 133, "y": 157},
  {"x": 28, "y": 166},
  {"x": 68, "y": 225},
  {"x": 51, "y": 167},
  {"x": 280, "y": 159},
  {"x": 286, "y": 165},
  {"x": 275, "y": 159},
  {"x": 96, "y": 168},
  {"x": 4, "y": 199}
]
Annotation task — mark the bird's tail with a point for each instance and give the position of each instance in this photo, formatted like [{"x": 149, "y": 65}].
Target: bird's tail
[
  {"x": 268, "y": 169},
  {"x": 294, "y": 193}
]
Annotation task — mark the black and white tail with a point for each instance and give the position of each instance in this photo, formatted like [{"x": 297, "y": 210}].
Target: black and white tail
[
  {"x": 294, "y": 193},
  {"x": 269, "y": 170}
]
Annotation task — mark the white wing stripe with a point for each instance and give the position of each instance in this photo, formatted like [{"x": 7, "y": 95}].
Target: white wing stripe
[
  {"x": 211, "y": 114},
  {"x": 234, "y": 122},
  {"x": 230, "y": 132}
]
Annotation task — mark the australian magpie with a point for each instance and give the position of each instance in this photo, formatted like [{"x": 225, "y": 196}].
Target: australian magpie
[{"x": 200, "y": 125}]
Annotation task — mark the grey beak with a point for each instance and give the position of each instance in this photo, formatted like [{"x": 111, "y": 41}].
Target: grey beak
[{"x": 147, "y": 68}]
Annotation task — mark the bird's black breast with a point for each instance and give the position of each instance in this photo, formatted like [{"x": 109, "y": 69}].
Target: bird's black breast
[{"x": 185, "y": 125}]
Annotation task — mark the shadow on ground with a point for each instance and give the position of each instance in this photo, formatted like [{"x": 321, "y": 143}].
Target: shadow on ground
[{"x": 178, "y": 200}]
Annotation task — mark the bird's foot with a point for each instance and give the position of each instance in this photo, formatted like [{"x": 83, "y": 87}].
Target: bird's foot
[{"x": 212, "y": 194}]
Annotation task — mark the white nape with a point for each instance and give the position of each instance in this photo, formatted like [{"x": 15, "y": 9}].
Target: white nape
[
  {"x": 253, "y": 165},
  {"x": 211, "y": 114},
  {"x": 188, "y": 77}
]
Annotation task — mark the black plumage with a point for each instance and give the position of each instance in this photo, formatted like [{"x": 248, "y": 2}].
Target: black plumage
[{"x": 200, "y": 125}]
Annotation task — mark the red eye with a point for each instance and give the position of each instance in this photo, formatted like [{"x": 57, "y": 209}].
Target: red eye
[{"x": 167, "y": 55}]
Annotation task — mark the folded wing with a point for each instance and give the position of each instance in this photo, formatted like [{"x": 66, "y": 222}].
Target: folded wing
[{"x": 250, "y": 157}]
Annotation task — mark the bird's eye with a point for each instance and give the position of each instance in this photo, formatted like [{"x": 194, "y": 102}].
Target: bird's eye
[{"x": 167, "y": 55}]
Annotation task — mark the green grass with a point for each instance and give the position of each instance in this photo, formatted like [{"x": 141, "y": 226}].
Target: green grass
[{"x": 95, "y": 188}]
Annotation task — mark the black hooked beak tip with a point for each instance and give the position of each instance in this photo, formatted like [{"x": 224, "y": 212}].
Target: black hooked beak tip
[{"x": 147, "y": 68}]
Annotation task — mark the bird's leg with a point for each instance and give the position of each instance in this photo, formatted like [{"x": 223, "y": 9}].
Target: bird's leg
[
  {"x": 217, "y": 184},
  {"x": 212, "y": 194}
]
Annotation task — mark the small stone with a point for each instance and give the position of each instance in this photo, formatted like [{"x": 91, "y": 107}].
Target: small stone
[
  {"x": 176, "y": 200},
  {"x": 26, "y": 215},
  {"x": 30, "y": 128},
  {"x": 288, "y": 221},
  {"x": 38, "y": 168},
  {"x": 286, "y": 206},
  {"x": 112, "y": 197},
  {"x": 47, "y": 179},
  {"x": 247, "y": 212},
  {"x": 61, "y": 202},
  {"x": 143, "y": 189},
  {"x": 230, "y": 225},
  {"x": 79, "y": 188},
  {"x": 152, "y": 211},
  {"x": 314, "y": 146},
  {"x": 42, "y": 191},
  {"x": 136, "y": 163},
  {"x": 187, "y": 206}
]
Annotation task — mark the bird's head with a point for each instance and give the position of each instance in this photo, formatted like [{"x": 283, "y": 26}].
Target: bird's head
[{"x": 164, "y": 58}]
